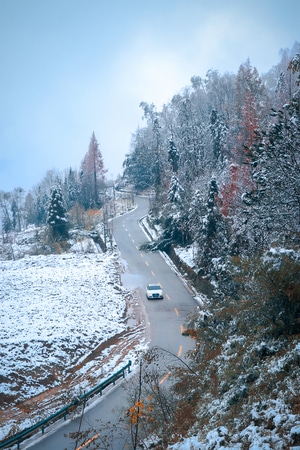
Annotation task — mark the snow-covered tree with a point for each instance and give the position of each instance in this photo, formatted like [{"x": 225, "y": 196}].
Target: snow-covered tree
[
  {"x": 190, "y": 139},
  {"x": 71, "y": 188},
  {"x": 175, "y": 190},
  {"x": 139, "y": 165},
  {"x": 17, "y": 208},
  {"x": 173, "y": 156},
  {"x": 219, "y": 131},
  {"x": 29, "y": 209},
  {"x": 40, "y": 215},
  {"x": 212, "y": 235},
  {"x": 6, "y": 220},
  {"x": 56, "y": 214},
  {"x": 294, "y": 67}
]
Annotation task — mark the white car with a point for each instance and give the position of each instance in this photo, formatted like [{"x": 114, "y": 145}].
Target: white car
[{"x": 154, "y": 291}]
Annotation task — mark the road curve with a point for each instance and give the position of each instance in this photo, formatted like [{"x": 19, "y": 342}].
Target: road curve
[
  {"x": 165, "y": 320},
  {"x": 166, "y": 317}
]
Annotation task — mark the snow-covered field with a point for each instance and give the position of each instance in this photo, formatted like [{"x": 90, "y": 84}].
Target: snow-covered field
[{"x": 55, "y": 311}]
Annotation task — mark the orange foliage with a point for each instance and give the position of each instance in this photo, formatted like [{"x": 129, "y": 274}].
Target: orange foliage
[
  {"x": 250, "y": 123},
  {"x": 238, "y": 181},
  {"x": 140, "y": 410}
]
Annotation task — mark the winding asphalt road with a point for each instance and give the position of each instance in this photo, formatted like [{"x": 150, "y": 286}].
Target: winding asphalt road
[
  {"x": 165, "y": 320},
  {"x": 167, "y": 317}
]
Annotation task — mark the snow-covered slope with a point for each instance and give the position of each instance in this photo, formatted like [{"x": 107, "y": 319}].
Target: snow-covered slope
[{"x": 56, "y": 310}]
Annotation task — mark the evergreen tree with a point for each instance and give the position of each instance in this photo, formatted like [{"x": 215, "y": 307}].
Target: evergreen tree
[
  {"x": 17, "y": 207},
  {"x": 218, "y": 130},
  {"x": 213, "y": 241},
  {"x": 139, "y": 165},
  {"x": 175, "y": 190},
  {"x": 56, "y": 215},
  {"x": 41, "y": 207},
  {"x": 294, "y": 67},
  {"x": 71, "y": 188},
  {"x": 155, "y": 148},
  {"x": 191, "y": 139},
  {"x": 173, "y": 156},
  {"x": 5, "y": 202},
  {"x": 281, "y": 92},
  {"x": 29, "y": 209},
  {"x": 197, "y": 211}
]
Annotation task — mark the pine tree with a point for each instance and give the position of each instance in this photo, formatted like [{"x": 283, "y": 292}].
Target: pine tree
[
  {"x": 71, "y": 188},
  {"x": 218, "y": 130},
  {"x": 173, "y": 156},
  {"x": 209, "y": 229},
  {"x": 175, "y": 190},
  {"x": 56, "y": 215},
  {"x": 191, "y": 139},
  {"x": 294, "y": 67},
  {"x": 5, "y": 202},
  {"x": 213, "y": 229},
  {"x": 139, "y": 165}
]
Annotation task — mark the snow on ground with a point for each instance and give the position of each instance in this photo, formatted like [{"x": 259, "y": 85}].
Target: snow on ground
[
  {"x": 187, "y": 255},
  {"x": 55, "y": 310}
]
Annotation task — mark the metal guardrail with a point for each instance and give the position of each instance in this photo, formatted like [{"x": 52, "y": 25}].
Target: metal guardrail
[{"x": 17, "y": 439}]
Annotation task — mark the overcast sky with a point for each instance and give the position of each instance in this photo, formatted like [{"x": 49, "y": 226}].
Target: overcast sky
[{"x": 73, "y": 67}]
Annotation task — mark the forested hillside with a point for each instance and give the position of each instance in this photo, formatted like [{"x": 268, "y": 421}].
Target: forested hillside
[{"x": 221, "y": 163}]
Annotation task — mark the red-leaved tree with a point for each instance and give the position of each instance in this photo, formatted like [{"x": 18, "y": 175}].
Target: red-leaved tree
[{"x": 92, "y": 175}]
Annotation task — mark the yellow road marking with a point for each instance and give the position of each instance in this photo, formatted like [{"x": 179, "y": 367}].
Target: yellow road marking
[
  {"x": 146, "y": 263},
  {"x": 88, "y": 442},
  {"x": 132, "y": 240},
  {"x": 142, "y": 255},
  {"x": 180, "y": 351},
  {"x": 176, "y": 310},
  {"x": 164, "y": 378},
  {"x": 153, "y": 274},
  {"x": 168, "y": 297},
  {"x": 181, "y": 329}
]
